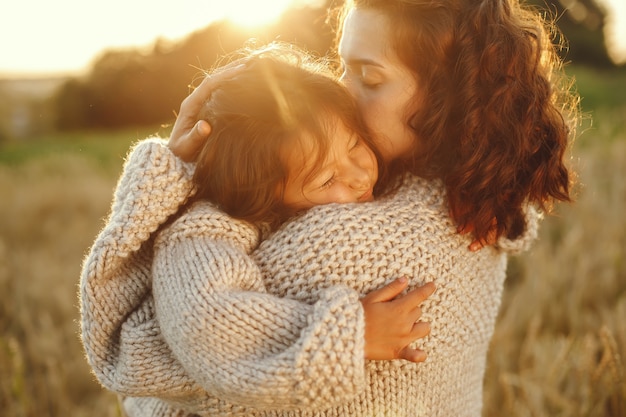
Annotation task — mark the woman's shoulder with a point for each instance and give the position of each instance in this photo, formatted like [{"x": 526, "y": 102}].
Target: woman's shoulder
[{"x": 202, "y": 219}]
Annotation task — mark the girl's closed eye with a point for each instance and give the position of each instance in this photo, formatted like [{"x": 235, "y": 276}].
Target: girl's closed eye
[{"x": 328, "y": 182}]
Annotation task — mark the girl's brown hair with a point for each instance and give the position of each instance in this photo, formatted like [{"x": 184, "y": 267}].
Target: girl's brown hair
[
  {"x": 494, "y": 113},
  {"x": 280, "y": 95}
]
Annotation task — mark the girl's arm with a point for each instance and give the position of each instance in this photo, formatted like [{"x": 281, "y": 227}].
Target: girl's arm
[
  {"x": 117, "y": 316},
  {"x": 240, "y": 344},
  {"x": 119, "y": 325}
]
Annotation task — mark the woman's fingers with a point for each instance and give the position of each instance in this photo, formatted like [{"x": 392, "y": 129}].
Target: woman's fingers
[{"x": 189, "y": 133}]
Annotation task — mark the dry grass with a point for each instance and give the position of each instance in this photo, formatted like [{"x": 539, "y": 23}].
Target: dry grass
[
  {"x": 50, "y": 212},
  {"x": 560, "y": 342},
  {"x": 559, "y": 348}
]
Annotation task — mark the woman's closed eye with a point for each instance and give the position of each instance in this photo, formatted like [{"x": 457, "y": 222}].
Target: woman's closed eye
[
  {"x": 359, "y": 74},
  {"x": 370, "y": 79},
  {"x": 370, "y": 86}
]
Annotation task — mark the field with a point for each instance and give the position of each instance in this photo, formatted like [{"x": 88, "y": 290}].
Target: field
[{"x": 560, "y": 342}]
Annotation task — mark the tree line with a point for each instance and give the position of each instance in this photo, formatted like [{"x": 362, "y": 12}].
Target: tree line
[{"x": 135, "y": 87}]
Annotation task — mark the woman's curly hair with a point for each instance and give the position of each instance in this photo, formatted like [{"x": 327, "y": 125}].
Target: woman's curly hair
[{"x": 494, "y": 112}]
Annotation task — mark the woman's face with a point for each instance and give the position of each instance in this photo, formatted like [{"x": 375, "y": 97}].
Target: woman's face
[{"x": 383, "y": 86}]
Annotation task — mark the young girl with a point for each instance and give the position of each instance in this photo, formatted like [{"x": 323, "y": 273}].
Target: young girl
[{"x": 286, "y": 137}]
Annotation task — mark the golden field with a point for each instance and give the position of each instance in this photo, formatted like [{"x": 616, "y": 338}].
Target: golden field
[{"x": 560, "y": 342}]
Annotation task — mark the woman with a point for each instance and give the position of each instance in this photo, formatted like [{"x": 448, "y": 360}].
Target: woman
[{"x": 472, "y": 119}]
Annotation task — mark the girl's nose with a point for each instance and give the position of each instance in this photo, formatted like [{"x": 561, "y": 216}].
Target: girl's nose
[{"x": 359, "y": 178}]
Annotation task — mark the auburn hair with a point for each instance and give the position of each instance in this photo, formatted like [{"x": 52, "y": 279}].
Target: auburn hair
[
  {"x": 279, "y": 95},
  {"x": 494, "y": 113}
]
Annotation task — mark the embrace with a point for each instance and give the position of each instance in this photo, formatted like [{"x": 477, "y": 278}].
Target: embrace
[{"x": 309, "y": 243}]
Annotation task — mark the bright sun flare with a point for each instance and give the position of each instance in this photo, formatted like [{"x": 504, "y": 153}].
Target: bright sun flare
[
  {"x": 55, "y": 40},
  {"x": 66, "y": 35},
  {"x": 254, "y": 12}
]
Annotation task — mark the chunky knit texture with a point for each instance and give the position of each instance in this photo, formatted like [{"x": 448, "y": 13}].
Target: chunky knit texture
[{"x": 213, "y": 331}]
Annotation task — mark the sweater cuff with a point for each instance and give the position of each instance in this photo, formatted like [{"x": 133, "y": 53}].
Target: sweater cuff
[
  {"x": 153, "y": 185},
  {"x": 335, "y": 349},
  {"x": 523, "y": 242}
]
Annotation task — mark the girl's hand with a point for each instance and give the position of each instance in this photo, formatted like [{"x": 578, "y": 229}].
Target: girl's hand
[
  {"x": 189, "y": 133},
  {"x": 391, "y": 321}
]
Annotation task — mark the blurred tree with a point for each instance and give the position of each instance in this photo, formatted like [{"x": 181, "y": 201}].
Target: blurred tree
[
  {"x": 131, "y": 87},
  {"x": 71, "y": 103},
  {"x": 134, "y": 87},
  {"x": 582, "y": 25}
]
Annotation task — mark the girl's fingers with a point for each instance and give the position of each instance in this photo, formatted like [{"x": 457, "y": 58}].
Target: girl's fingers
[
  {"x": 412, "y": 355},
  {"x": 417, "y": 296},
  {"x": 388, "y": 292},
  {"x": 420, "y": 330}
]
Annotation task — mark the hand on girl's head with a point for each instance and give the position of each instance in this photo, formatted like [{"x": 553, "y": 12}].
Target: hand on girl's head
[{"x": 189, "y": 133}]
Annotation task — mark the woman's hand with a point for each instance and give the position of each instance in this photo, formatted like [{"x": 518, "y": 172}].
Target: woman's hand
[
  {"x": 391, "y": 321},
  {"x": 478, "y": 244},
  {"x": 189, "y": 133}
]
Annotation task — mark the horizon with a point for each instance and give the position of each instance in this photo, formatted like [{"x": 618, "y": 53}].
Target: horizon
[
  {"x": 65, "y": 37},
  {"x": 69, "y": 55}
]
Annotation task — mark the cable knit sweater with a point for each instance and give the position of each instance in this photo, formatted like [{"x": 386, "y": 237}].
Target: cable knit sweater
[{"x": 221, "y": 327}]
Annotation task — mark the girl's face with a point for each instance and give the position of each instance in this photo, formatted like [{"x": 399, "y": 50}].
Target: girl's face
[
  {"x": 347, "y": 174},
  {"x": 383, "y": 86}
]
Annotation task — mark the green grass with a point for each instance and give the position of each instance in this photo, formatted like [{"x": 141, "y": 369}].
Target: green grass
[
  {"x": 599, "y": 89},
  {"x": 603, "y": 103},
  {"x": 106, "y": 149}
]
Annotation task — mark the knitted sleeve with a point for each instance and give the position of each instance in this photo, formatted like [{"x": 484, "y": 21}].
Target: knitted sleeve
[
  {"x": 117, "y": 319},
  {"x": 241, "y": 344},
  {"x": 524, "y": 242}
]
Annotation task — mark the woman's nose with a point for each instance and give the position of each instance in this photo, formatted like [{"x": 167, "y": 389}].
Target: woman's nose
[{"x": 350, "y": 86}]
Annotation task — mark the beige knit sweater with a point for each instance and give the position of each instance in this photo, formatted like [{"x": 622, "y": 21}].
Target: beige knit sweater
[{"x": 212, "y": 331}]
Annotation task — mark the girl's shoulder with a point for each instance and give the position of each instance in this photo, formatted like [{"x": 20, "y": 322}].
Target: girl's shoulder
[
  {"x": 422, "y": 191},
  {"x": 202, "y": 219},
  {"x": 415, "y": 201}
]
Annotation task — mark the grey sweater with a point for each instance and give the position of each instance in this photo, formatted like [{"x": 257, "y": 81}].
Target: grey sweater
[{"x": 202, "y": 320}]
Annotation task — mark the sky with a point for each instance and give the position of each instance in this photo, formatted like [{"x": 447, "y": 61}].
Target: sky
[{"x": 55, "y": 37}]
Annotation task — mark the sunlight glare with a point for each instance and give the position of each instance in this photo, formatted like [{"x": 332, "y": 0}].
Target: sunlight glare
[{"x": 251, "y": 13}]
